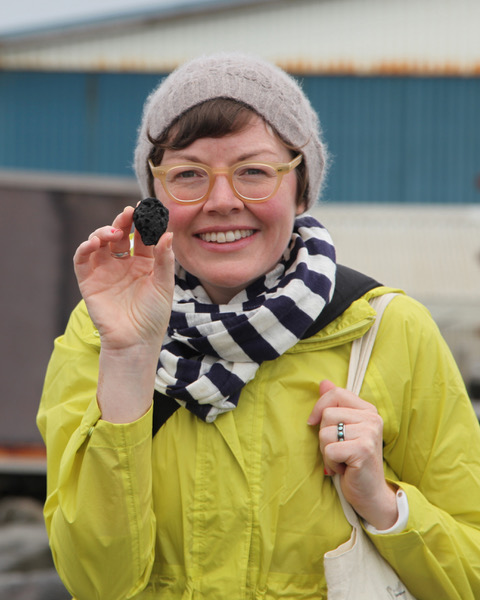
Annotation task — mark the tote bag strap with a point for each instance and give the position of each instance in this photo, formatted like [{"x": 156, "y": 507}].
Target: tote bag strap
[
  {"x": 359, "y": 358},
  {"x": 355, "y": 570},
  {"x": 362, "y": 347}
]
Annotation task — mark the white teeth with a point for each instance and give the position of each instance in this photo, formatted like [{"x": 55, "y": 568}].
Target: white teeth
[{"x": 221, "y": 237}]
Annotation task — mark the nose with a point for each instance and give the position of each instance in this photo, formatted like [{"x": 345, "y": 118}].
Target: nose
[{"x": 221, "y": 198}]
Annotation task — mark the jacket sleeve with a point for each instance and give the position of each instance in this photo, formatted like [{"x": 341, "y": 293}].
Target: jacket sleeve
[
  {"x": 98, "y": 510},
  {"x": 432, "y": 451}
]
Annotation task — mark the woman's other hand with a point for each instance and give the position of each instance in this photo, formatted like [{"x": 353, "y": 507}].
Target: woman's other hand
[{"x": 359, "y": 458}]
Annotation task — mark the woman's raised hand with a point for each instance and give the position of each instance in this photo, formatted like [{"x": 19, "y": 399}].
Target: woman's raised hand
[
  {"x": 359, "y": 458},
  {"x": 129, "y": 299}
]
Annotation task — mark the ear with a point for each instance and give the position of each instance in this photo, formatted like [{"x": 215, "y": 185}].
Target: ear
[{"x": 300, "y": 208}]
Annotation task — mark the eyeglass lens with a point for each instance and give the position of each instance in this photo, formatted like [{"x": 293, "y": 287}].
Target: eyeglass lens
[{"x": 251, "y": 181}]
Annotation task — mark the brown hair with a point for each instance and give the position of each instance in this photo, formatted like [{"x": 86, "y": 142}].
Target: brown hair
[{"x": 216, "y": 118}]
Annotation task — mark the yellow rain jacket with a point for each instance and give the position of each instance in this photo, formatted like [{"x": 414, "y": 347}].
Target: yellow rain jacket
[{"x": 240, "y": 509}]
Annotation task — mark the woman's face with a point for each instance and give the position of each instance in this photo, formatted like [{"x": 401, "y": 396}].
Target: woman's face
[{"x": 199, "y": 231}]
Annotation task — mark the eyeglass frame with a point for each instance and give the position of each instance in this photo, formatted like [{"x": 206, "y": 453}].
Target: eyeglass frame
[{"x": 160, "y": 172}]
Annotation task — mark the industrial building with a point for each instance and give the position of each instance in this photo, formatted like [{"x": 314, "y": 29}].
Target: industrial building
[
  {"x": 397, "y": 88},
  {"x": 396, "y": 85}
]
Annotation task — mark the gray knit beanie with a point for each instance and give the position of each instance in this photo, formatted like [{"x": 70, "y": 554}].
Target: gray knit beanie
[{"x": 271, "y": 92}]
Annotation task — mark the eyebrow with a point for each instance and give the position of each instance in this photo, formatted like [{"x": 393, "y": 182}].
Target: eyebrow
[
  {"x": 254, "y": 155},
  {"x": 192, "y": 158}
]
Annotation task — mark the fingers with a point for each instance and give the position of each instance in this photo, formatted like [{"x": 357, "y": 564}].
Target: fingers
[
  {"x": 105, "y": 242},
  {"x": 354, "y": 450},
  {"x": 122, "y": 222},
  {"x": 117, "y": 237},
  {"x": 81, "y": 259},
  {"x": 82, "y": 265},
  {"x": 362, "y": 429},
  {"x": 106, "y": 235},
  {"x": 362, "y": 442},
  {"x": 332, "y": 396},
  {"x": 101, "y": 243},
  {"x": 325, "y": 386},
  {"x": 107, "y": 239}
]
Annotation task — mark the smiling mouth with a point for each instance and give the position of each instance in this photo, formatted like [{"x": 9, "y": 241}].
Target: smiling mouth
[{"x": 223, "y": 237}]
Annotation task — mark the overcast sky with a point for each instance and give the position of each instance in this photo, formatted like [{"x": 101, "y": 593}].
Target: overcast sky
[{"x": 29, "y": 14}]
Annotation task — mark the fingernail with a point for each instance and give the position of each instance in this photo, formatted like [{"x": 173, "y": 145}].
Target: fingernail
[
  {"x": 326, "y": 473},
  {"x": 169, "y": 240}
]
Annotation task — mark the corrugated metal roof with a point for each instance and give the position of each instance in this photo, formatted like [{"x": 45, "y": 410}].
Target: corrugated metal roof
[
  {"x": 303, "y": 36},
  {"x": 81, "y": 20}
]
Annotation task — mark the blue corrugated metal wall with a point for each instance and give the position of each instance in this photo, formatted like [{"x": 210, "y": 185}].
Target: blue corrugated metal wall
[
  {"x": 393, "y": 139},
  {"x": 401, "y": 139},
  {"x": 75, "y": 122}
]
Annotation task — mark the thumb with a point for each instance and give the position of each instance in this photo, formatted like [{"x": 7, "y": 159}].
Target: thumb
[
  {"x": 325, "y": 386},
  {"x": 316, "y": 415},
  {"x": 164, "y": 263}
]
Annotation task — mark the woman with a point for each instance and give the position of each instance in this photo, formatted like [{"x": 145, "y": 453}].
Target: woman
[{"x": 233, "y": 496}]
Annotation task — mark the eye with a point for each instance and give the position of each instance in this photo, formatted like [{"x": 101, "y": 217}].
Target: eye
[
  {"x": 187, "y": 174},
  {"x": 255, "y": 171}
]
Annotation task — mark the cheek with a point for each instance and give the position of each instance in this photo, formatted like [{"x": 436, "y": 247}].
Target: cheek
[
  {"x": 176, "y": 221},
  {"x": 177, "y": 215},
  {"x": 158, "y": 189},
  {"x": 279, "y": 213}
]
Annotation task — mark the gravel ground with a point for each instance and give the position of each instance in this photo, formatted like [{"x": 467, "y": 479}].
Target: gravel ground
[{"x": 26, "y": 566}]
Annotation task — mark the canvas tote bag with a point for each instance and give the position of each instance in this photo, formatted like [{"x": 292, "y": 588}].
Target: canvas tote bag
[{"x": 355, "y": 570}]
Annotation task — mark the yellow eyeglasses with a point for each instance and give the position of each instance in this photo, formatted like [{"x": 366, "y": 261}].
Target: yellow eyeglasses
[{"x": 250, "y": 181}]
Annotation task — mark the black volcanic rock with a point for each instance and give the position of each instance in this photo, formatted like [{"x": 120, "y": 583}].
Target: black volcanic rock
[{"x": 151, "y": 219}]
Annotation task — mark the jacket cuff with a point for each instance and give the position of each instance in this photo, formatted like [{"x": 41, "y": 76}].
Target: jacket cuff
[{"x": 402, "y": 520}]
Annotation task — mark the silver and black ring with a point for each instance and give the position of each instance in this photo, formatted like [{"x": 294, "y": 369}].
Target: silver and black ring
[
  {"x": 341, "y": 432},
  {"x": 121, "y": 254}
]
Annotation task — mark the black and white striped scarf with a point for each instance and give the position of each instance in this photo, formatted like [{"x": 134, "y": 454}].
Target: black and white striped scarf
[{"x": 211, "y": 351}]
